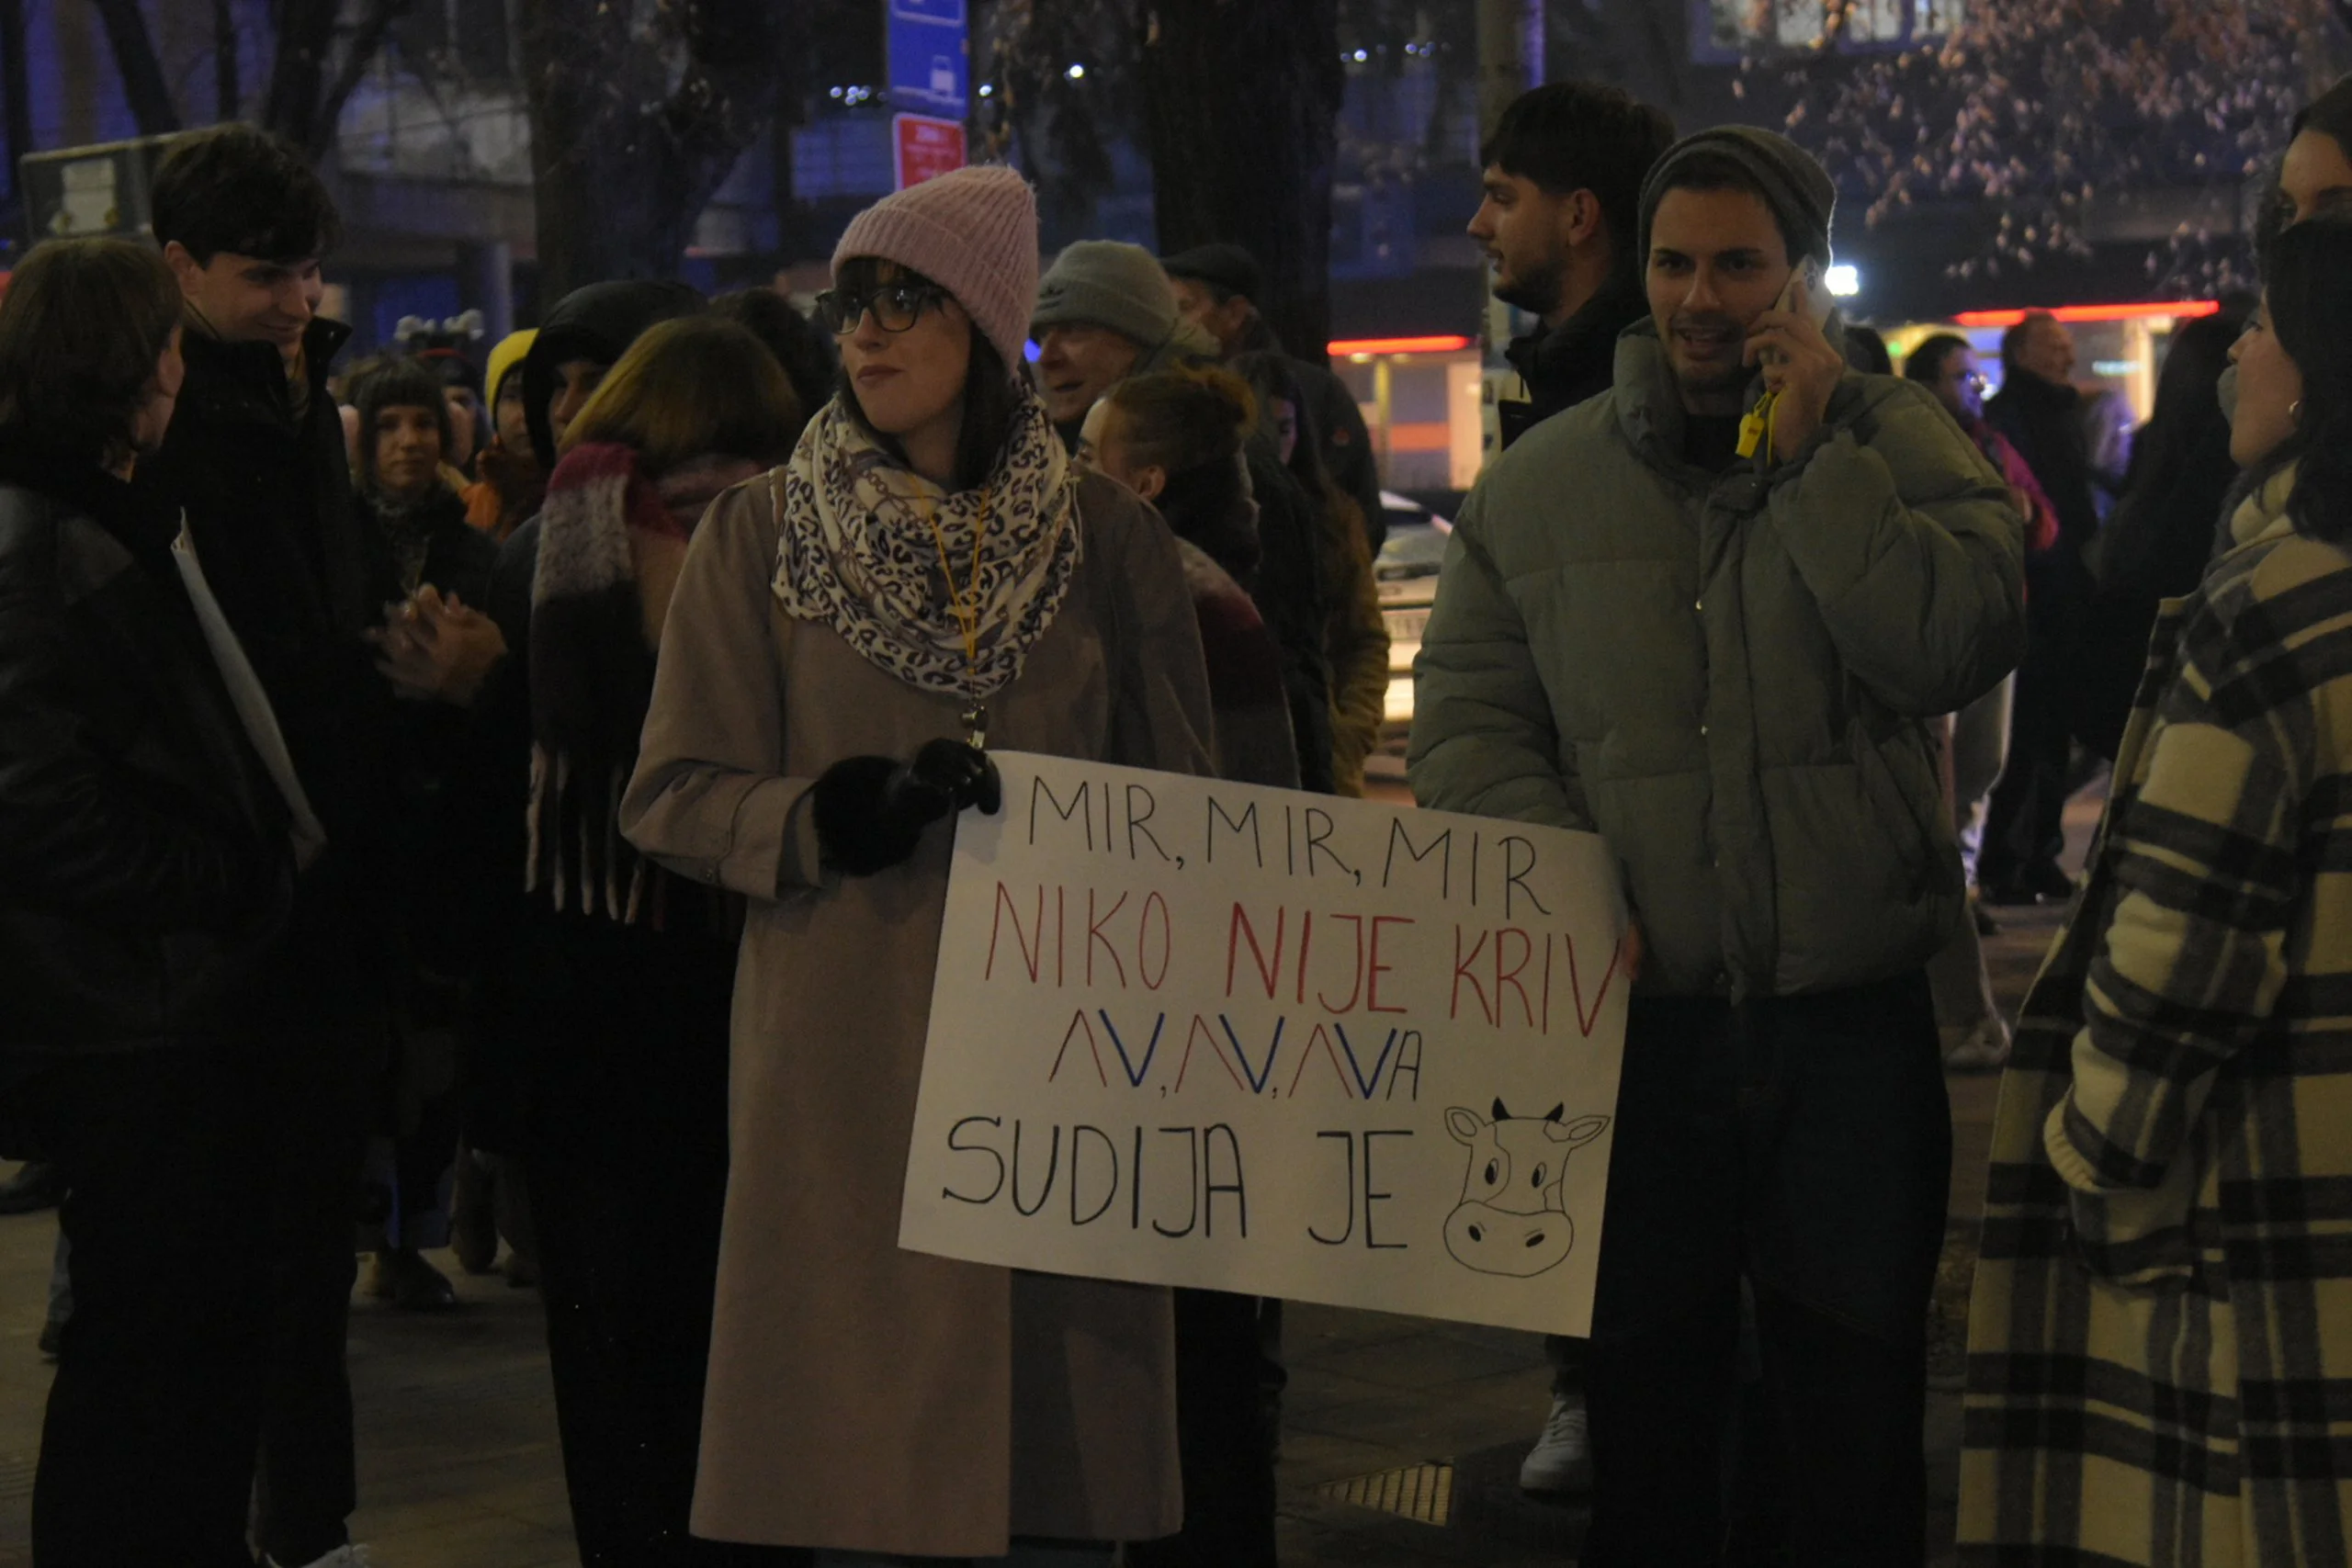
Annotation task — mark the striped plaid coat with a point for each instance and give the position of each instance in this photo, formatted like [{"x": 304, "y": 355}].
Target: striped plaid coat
[{"x": 2160, "y": 1345}]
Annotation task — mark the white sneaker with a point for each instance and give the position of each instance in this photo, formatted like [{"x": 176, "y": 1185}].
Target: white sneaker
[
  {"x": 349, "y": 1556},
  {"x": 1983, "y": 1049},
  {"x": 1561, "y": 1460}
]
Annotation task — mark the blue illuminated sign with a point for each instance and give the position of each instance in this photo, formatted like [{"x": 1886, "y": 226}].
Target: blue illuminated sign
[{"x": 930, "y": 68}]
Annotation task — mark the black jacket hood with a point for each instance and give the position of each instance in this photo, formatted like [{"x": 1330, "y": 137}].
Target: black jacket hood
[{"x": 597, "y": 323}]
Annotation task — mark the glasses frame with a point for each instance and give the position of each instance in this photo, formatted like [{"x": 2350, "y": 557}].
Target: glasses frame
[{"x": 840, "y": 312}]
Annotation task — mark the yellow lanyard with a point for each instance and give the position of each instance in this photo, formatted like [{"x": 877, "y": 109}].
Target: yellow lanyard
[{"x": 964, "y": 602}]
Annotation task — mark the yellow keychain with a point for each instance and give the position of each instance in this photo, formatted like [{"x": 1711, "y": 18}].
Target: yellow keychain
[{"x": 1758, "y": 425}]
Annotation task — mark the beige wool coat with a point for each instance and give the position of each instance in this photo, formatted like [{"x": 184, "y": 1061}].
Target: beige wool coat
[{"x": 861, "y": 1397}]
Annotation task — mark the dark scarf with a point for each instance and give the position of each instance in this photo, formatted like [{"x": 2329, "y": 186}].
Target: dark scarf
[
  {"x": 592, "y": 680},
  {"x": 141, "y": 523},
  {"x": 410, "y": 527}
]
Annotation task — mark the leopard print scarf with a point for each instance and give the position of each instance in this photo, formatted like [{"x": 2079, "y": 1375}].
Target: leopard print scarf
[{"x": 858, "y": 553}]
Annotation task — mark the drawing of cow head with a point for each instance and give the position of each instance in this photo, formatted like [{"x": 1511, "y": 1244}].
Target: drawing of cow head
[{"x": 1511, "y": 1218}]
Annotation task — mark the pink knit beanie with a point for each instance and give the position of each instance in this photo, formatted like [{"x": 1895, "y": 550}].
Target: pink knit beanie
[{"x": 972, "y": 232}]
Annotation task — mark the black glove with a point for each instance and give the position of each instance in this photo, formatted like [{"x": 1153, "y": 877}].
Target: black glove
[{"x": 871, "y": 811}]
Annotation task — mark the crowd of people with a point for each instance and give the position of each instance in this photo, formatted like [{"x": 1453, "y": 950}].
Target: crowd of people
[{"x": 444, "y": 804}]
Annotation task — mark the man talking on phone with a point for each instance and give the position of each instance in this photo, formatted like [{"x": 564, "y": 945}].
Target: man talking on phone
[{"x": 1718, "y": 649}]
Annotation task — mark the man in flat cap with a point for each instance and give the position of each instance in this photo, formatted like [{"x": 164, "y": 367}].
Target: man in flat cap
[
  {"x": 1217, "y": 287},
  {"x": 1718, "y": 647}
]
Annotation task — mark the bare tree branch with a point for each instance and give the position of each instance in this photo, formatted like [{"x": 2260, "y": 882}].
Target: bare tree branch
[
  {"x": 623, "y": 163},
  {"x": 143, "y": 73},
  {"x": 728, "y": 90},
  {"x": 366, "y": 42},
  {"x": 305, "y": 36},
  {"x": 303, "y": 103}
]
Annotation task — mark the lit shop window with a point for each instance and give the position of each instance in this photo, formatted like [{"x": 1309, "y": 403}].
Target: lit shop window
[{"x": 1729, "y": 28}]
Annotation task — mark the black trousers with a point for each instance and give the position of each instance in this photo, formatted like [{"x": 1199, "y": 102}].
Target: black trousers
[
  {"x": 624, "y": 1066},
  {"x": 306, "y": 1487},
  {"x": 1803, "y": 1144},
  {"x": 628, "y": 1262},
  {"x": 2025, "y": 822},
  {"x": 147, "y": 1448},
  {"x": 1224, "y": 1436}
]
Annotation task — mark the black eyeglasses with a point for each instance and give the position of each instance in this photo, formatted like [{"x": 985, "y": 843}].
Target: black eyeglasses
[{"x": 896, "y": 306}]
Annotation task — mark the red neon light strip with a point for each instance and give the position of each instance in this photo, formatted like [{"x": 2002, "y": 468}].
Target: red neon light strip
[
  {"x": 2180, "y": 309},
  {"x": 1347, "y": 346}
]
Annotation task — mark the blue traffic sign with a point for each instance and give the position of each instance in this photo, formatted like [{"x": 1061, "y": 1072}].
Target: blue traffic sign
[{"x": 930, "y": 69}]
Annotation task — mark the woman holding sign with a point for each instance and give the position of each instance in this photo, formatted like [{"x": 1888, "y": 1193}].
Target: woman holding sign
[{"x": 928, "y": 575}]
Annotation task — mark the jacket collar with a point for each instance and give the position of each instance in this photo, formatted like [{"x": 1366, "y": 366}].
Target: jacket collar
[
  {"x": 1649, "y": 403},
  {"x": 1577, "y": 353},
  {"x": 2261, "y": 516},
  {"x": 2030, "y": 391},
  {"x": 258, "y": 369},
  {"x": 1649, "y": 399},
  {"x": 141, "y": 525}
]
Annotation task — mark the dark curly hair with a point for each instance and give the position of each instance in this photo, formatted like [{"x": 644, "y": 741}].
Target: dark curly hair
[
  {"x": 2310, "y": 305},
  {"x": 81, "y": 327},
  {"x": 242, "y": 190}
]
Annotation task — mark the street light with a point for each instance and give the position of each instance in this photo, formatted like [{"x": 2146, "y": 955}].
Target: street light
[{"x": 1844, "y": 281}]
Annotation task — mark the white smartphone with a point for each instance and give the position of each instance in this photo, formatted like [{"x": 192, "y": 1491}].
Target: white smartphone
[{"x": 1816, "y": 303}]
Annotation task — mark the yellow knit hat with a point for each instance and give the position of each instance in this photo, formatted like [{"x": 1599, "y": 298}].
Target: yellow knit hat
[{"x": 507, "y": 355}]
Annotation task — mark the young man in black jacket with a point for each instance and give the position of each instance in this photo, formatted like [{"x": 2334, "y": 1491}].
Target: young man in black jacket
[
  {"x": 151, "y": 827},
  {"x": 1560, "y": 224},
  {"x": 255, "y": 461}
]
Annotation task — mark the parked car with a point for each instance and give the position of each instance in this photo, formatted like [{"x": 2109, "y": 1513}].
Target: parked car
[{"x": 1406, "y": 575}]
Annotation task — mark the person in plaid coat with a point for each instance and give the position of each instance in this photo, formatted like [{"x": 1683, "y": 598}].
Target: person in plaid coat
[{"x": 2160, "y": 1350}]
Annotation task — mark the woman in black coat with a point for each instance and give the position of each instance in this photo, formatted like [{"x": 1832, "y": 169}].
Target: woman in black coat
[
  {"x": 150, "y": 828},
  {"x": 2156, "y": 544}
]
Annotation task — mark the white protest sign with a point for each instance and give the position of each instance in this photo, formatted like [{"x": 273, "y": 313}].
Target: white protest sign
[{"x": 1191, "y": 1032}]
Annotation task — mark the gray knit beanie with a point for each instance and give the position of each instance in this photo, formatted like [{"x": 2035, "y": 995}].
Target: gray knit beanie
[
  {"x": 1105, "y": 283},
  {"x": 1795, "y": 186}
]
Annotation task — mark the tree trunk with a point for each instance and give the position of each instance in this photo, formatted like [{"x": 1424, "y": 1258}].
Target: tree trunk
[
  {"x": 297, "y": 71},
  {"x": 304, "y": 103},
  {"x": 16, "y": 109},
  {"x": 228, "y": 93},
  {"x": 143, "y": 76},
  {"x": 623, "y": 168},
  {"x": 1241, "y": 99},
  {"x": 1510, "y": 55}
]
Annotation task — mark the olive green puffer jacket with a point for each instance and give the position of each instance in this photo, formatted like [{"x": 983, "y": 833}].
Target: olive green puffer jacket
[{"x": 1726, "y": 675}]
